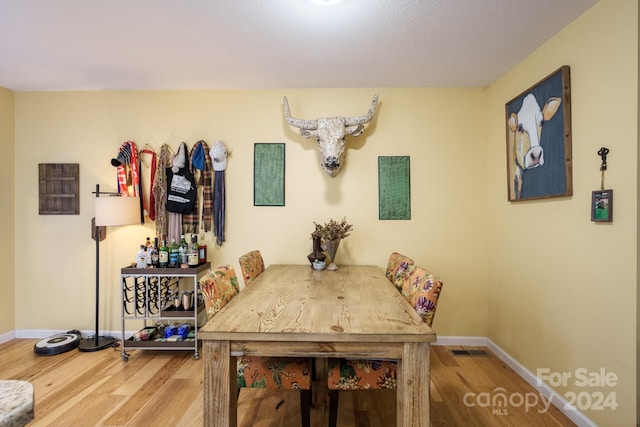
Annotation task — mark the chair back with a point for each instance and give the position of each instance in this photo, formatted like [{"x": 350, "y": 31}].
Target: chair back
[
  {"x": 422, "y": 289},
  {"x": 397, "y": 267},
  {"x": 251, "y": 265},
  {"x": 218, "y": 287}
]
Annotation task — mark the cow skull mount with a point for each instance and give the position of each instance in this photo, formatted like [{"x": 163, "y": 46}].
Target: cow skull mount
[{"x": 330, "y": 134}]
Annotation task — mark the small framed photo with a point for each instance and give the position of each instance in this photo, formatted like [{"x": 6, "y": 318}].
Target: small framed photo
[{"x": 602, "y": 206}]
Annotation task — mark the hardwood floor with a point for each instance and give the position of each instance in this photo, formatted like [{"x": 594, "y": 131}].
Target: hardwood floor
[{"x": 164, "y": 388}]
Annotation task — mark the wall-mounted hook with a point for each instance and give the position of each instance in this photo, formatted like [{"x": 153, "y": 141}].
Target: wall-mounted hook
[{"x": 603, "y": 154}]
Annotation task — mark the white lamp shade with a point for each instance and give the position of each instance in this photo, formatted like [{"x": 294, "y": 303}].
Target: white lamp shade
[{"x": 117, "y": 210}]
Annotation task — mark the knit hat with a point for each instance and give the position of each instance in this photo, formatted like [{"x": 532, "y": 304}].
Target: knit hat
[
  {"x": 218, "y": 155},
  {"x": 197, "y": 160}
]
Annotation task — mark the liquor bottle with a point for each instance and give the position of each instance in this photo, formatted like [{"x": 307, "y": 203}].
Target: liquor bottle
[
  {"x": 141, "y": 258},
  {"x": 194, "y": 252},
  {"x": 163, "y": 255},
  {"x": 183, "y": 259},
  {"x": 147, "y": 258},
  {"x": 155, "y": 254},
  {"x": 147, "y": 249},
  {"x": 202, "y": 253},
  {"x": 174, "y": 250}
]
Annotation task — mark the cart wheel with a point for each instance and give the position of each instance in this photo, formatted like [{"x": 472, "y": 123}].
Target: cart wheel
[
  {"x": 125, "y": 357},
  {"x": 196, "y": 356}
]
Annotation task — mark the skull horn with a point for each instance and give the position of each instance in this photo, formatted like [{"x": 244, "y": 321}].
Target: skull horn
[
  {"x": 359, "y": 120},
  {"x": 299, "y": 123}
]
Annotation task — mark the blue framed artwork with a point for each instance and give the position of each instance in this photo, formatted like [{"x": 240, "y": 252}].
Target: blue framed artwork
[
  {"x": 539, "y": 140},
  {"x": 268, "y": 174}
]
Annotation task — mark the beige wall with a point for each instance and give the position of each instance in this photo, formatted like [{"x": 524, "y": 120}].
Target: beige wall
[
  {"x": 540, "y": 279},
  {"x": 7, "y": 197},
  {"x": 445, "y": 234},
  {"x": 562, "y": 291}
]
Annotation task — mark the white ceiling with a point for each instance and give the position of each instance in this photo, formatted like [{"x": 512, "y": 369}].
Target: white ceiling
[{"x": 231, "y": 44}]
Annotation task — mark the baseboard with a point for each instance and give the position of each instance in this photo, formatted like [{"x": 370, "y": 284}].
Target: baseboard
[
  {"x": 7, "y": 336},
  {"x": 545, "y": 390}
]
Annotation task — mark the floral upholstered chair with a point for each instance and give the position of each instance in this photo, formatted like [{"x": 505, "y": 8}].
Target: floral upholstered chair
[
  {"x": 397, "y": 268},
  {"x": 218, "y": 288},
  {"x": 422, "y": 290},
  {"x": 251, "y": 265}
]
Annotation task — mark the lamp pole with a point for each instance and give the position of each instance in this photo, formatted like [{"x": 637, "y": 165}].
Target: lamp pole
[{"x": 98, "y": 342}]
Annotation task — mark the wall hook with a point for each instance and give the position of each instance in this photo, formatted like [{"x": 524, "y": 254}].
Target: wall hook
[{"x": 602, "y": 152}]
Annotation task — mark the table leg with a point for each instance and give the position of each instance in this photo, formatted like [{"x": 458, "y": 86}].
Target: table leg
[
  {"x": 414, "y": 371},
  {"x": 220, "y": 385}
]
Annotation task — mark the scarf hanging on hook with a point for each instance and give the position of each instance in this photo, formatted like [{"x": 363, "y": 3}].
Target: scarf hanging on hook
[
  {"x": 202, "y": 215},
  {"x": 159, "y": 189},
  {"x": 127, "y": 171},
  {"x": 151, "y": 210}
]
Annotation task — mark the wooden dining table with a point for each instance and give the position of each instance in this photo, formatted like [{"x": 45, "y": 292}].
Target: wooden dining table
[{"x": 293, "y": 310}]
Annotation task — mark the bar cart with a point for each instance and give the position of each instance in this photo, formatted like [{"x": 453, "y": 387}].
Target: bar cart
[{"x": 151, "y": 295}]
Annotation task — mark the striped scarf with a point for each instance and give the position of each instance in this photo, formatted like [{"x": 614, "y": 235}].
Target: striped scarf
[
  {"x": 159, "y": 190},
  {"x": 128, "y": 156},
  {"x": 219, "y": 206},
  {"x": 128, "y": 173},
  {"x": 192, "y": 221}
]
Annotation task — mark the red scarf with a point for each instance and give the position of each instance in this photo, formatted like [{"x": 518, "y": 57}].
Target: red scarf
[
  {"x": 128, "y": 173},
  {"x": 130, "y": 148}
]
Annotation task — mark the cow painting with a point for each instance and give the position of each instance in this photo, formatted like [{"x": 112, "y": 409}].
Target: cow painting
[
  {"x": 525, "y": 129},
  {"x": 538, "y": 139},
  {"x": 330, "y": 134}
]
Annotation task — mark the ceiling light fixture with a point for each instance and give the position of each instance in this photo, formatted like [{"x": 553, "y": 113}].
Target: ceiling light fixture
[{"x": 325, "y": 2}]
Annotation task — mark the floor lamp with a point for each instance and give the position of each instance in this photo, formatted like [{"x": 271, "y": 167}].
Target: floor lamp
[{"x": 110, "y": 210}]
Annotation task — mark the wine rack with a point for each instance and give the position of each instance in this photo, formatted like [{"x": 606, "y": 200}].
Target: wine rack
[{"x": 148, "y": 298}]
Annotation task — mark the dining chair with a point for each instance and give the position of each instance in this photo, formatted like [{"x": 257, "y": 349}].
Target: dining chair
[
  {"x": 422, "y": 290},
  {"x": 251, "y": 265},
  {"x": 397, "y": 267},
  {"x": 220, "y": 286}
]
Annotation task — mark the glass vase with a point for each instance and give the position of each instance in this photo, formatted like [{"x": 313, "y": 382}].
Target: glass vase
[{"x": 331, "y": 248}]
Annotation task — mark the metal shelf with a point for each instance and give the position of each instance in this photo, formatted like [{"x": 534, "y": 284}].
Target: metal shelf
[{"x": 146, "y": 295}]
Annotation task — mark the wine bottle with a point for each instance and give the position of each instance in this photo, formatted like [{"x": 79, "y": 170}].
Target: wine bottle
[
  {"x": 148, "y": 248},
  {"x": 155, "y": 254}
]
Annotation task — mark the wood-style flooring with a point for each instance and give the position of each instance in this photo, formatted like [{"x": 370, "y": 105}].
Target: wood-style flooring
[{"x": 164, "y": 388}]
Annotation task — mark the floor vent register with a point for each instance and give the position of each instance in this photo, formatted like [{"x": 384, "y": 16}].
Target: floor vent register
[{"x": 476, "y": 353}]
